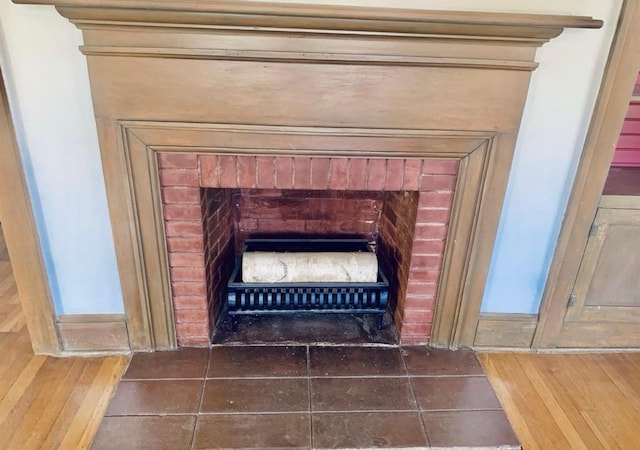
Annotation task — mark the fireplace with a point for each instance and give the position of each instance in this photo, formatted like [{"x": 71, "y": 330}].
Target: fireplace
[
  {"x": 403, "y": 204},
  {"x": 210, "y": 102}
]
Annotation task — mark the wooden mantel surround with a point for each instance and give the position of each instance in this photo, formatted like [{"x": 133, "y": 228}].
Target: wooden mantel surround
[{"x": 250, "y": 78}]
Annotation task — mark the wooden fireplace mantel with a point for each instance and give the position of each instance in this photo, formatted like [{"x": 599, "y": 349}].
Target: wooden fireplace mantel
[
  {"x": 317, "y": 18},
  {"x": 249, "y": 78}
]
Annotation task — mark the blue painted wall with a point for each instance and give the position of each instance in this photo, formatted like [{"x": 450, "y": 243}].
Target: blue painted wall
[
  {"x": 552, "y": 134},
  {"x": 51, "y": 104}
]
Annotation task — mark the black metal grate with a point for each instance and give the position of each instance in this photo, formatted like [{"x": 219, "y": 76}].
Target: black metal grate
[{"x": 282, "y": 298}]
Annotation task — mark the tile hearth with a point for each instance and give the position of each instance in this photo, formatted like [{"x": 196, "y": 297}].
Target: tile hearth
[{"x": 304, "y": 397}]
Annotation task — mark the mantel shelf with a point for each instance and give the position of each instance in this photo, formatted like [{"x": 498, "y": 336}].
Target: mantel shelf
[{"x": 318, "y": 18}]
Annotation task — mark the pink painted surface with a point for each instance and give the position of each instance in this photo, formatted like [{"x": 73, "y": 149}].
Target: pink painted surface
[{"x": 627, "y": 152}]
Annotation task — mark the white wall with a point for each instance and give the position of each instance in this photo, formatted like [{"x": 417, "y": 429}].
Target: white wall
[
  {"x": 51, "y": 105},
  {"x": 51, "y": 102}
]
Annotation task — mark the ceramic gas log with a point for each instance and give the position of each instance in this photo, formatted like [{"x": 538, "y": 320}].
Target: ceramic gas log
[{"x": 305, "y": 267}]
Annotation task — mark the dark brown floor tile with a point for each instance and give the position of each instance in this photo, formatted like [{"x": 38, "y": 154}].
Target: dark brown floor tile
[
  {"x": 454, "y": 393},
  {"x": 258, "y": 361},
  {"x": 156, "y": 397},
  {"x": 356, "y": 361},
  {"x": 361, "y": 394},
  {"x": 368, "y": 430},
  {"x": 145, "y": 433},
  {"x": 256, "y": 395},
  {"x": 182, "y": 363},
  {"x": 429, "y": 361},
  {"x": 468, "y": 428},
  {"x": 263, "y": 431}
]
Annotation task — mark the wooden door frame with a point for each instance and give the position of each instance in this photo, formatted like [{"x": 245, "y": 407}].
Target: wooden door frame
[
  {"x": 616, "y": 88},
  {"x": 23, "y": 242}
]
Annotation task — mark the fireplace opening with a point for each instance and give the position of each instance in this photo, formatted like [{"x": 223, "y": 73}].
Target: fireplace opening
[{"x": 385, "y": 220}]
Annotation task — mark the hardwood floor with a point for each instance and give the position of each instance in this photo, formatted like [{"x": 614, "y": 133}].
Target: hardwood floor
[
  {"x": 569, "y": 401},
  {"x": 46, "y": 403}
]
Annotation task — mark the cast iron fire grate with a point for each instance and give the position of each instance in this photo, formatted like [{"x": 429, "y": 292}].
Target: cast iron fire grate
[{"x": 305, "y": 297}]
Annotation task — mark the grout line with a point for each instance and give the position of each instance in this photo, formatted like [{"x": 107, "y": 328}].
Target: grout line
[
  {"x": 245, "y": 413},
  {"x": 204, "y": 383},
  {"x": 259, "y": 344},
  {"x": 309, "y": 397},
  {"x": 367, "y": 411},
  {"x": 361, "y": 376},
  {"x": 415, "y": 399},
  {"x": 251, "y": 413},
  {"x": 257, "y": 378}
]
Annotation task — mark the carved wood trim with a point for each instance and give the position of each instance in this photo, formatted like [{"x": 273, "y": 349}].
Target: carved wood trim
[
  {"x": 149, "y": 305},
  {"x": 449, "y": 318},
  {"x": 153, "y": 272},
  {"x": 22, "y": 240},
  {"x": 307, "y": 57},
  {"x": 318, "y": 141}
]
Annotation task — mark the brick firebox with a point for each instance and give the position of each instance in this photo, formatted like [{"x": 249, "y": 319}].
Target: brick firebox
[{"x": 183, "y": 177}]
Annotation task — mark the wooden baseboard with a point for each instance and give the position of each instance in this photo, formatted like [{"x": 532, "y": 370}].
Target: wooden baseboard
[
  {"x": 93, "y": 332},
  {"x": 599, "y": 335},
  {"x": 505, "y": 330}
]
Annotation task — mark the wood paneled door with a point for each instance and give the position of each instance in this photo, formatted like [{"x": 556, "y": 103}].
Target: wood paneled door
[{"x": 604, "y": 308}]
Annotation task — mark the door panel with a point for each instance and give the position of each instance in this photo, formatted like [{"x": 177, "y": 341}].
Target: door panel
[
  {"x": 617, "y": 269},
  {"x": 604, "y": 310}
]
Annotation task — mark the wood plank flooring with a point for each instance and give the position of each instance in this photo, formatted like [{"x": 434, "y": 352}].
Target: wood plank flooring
[
  {"x": 46, "y": 403},
  {"x": 569, "y": 401}
]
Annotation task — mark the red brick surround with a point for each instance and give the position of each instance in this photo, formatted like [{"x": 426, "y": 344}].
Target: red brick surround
[
  {"x": 182, "y": 175},
  {"x": 396, "y": 230}
]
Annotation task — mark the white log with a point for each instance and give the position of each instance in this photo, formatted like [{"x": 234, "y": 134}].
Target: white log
[{"x": 302, "y": 267}]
